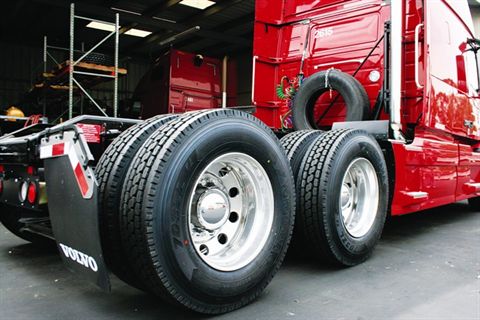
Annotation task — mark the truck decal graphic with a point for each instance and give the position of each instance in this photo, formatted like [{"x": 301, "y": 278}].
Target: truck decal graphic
[{"x": 79, "y": 257}]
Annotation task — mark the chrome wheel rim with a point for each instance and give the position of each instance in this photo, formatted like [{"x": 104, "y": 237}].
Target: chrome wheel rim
[
  {"x": 359, "y": 197},
  {"x": 231, "y": 211}
]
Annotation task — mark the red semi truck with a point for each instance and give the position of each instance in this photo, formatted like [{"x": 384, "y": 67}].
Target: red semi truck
[{"x": 377, "y": 105}]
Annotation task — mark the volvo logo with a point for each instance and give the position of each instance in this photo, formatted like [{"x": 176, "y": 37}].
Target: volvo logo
[{"x": 79, "y": 257}]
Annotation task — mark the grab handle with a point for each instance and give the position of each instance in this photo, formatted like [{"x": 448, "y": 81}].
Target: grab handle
[{"x": 417, "y": 55}]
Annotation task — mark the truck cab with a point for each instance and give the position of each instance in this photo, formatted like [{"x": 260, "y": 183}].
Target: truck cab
[
  {"x": 418, "y": 64},
  {"x": 376, "y": 104}
]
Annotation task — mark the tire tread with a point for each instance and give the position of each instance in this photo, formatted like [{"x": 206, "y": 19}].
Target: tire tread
[{"x": 137, "y": 209}]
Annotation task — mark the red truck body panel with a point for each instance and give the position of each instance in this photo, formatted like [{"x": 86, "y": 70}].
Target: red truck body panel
[
  {"x": 176, "y": 85},
  {"x": 341, "y": 35},
  {"x": 440, "y": 163}
]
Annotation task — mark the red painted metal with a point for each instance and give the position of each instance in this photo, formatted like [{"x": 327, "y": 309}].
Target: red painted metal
[
  {"x": 176, "y": 85},
  {"x": 440, "y": 162},
  {"x": 91, "y": 132},
  {"x": 340, "y": 35}
]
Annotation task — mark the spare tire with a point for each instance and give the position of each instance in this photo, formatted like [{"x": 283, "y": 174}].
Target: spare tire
[{"x": 305, "y": 104}]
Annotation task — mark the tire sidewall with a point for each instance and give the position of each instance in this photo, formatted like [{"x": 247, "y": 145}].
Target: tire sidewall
[
  {"x": 360, "y": 146},
  {"x": 170, "y": 223}
]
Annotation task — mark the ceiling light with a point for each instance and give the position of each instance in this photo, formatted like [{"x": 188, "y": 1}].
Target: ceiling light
[
  {"x": 111, "y": 27},
  {"x": 198, "y": 4},
  {"x": 138, "y": 33},
  {"x": 101, "y": 26}
]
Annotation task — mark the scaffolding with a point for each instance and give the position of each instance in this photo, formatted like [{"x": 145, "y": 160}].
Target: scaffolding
[
  {"x": 76, "y": 74},
  {"x": 73, "y": 62}
]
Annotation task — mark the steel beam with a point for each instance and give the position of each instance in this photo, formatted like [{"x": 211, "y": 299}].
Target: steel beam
[{"x": 148, "y": 22}]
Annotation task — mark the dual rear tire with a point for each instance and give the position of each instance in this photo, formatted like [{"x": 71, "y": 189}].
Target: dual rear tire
[
  {"x": 204, "y": 213},
  {"x": 199, "y": 209},
  {"x": 342, "y": 192},
  {"x": 110, "y": 172}
]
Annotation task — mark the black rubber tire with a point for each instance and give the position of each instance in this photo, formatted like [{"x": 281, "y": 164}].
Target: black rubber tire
[
  {"x": 96, "y": 58},
  {"x": 10, "y": 216},
  {"x": 351, "y": 90},
  {"x": 296, "y": 145},
  {"x": 319, "y": 190},
  {"x": 474, "y": 203},
  {"x": 154, "y": 210},
  {"x": 110, "y": 172}
]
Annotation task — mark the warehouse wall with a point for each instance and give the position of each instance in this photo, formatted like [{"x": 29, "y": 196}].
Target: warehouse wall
[
  {"x": 21, "y": 66},
  {"x": 16, "y": 71}
]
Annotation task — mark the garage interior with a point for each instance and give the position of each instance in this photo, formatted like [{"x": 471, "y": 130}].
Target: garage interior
[
  {"x": 225, "y": 29},
  {"x": 426, "y": 266}
]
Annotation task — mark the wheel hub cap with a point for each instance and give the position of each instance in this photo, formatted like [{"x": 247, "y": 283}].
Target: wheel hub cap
[
  {"x": 359, "y": 197},
  {"x": 231, "y": 211},
  {"x": 213, "y": 208}
]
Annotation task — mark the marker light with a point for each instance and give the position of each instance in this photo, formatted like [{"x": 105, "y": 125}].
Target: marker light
[
  {"x": 23, "y": 191},
  {"x": 374, "y": 76},
  {"x": 32, "y": 193}
]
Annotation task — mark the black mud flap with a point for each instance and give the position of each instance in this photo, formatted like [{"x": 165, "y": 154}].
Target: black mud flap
[{"x": 73, "y": 206}]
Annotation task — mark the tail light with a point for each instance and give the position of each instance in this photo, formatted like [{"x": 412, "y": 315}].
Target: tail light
[
  {"x": 32, "y": 193},
  {"x": 28, "y": 192},
  {"x": 31, "y": 170}
]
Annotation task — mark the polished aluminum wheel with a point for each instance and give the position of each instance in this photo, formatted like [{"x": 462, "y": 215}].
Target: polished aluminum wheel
[
  {"x": 231, "y": 211},
  {"x": 359, "y": 197}
]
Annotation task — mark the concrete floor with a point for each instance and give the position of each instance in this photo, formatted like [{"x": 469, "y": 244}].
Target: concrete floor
[{"x": 427, "y": 266}]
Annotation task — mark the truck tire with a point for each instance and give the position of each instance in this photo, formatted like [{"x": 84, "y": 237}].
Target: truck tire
[
  {"x": 10, "y": 217},
  {"x": 343, "y": 194},
  {"x": 352, "y": 92},
  {"x": 110, "y": 172},
  {"x": 95, "y": 58},
  {"x": 296, "y": 145},
  {"x": 208, "y": 210}
]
